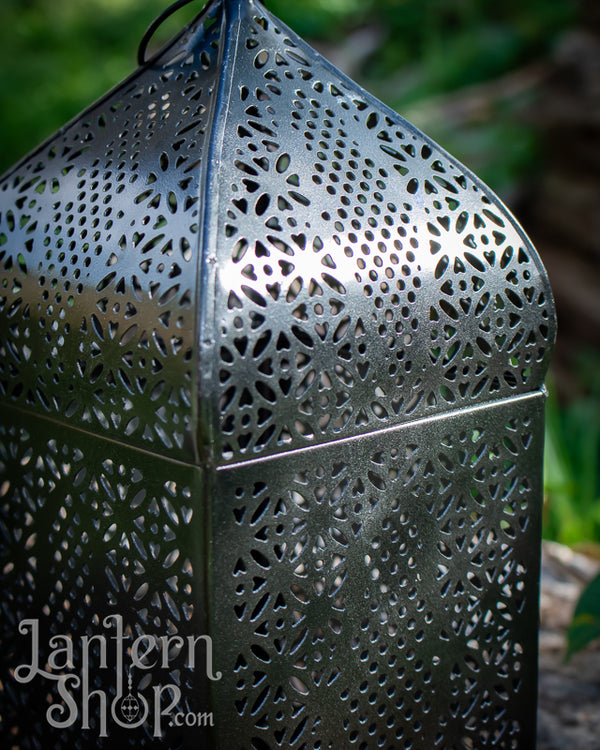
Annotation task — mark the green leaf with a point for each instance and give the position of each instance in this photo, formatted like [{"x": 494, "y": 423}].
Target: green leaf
[{"x": 585, "y": 626}]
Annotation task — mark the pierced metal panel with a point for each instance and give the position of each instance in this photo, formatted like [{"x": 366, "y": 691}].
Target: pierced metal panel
[
  {"x": 99, "y": 244},
  {"x": 271, "y": 367},
  {"x": 363, "y": 278},
  {"x": 88, "y": 532},
  {"x": 383, "y": 592}
]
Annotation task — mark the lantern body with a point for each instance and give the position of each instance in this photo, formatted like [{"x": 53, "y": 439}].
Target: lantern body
[{"x": 272, "y": 375}]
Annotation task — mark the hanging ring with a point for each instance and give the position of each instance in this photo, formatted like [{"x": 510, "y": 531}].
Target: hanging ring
[{"x": 158, "y": 21}]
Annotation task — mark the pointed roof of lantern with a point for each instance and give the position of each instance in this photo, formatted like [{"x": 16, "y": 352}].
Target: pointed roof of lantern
[{"x": 238, "y": 252}]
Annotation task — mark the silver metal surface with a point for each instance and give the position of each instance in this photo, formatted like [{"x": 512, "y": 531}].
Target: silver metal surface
[{"x": 272, "y": 371}]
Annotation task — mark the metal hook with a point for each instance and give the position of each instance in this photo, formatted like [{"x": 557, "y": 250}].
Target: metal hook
[{"x": 158, "y": 21}]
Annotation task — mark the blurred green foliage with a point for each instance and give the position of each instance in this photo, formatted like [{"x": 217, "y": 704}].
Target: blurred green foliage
[
  {"x": 585, "y": 627},
  {"x": 57, "y": 57},
  {"x": 572, "y": 459},
  {"x": 456, "y": 43}
]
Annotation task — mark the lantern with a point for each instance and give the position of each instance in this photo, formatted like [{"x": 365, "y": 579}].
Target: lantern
[{"x": 271, "y": 439}]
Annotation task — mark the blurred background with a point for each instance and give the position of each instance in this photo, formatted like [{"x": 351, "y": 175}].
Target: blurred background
[{"x": 512, "y": 89}]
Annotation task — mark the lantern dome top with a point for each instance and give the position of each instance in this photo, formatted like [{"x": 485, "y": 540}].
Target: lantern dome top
[{"x": 239, "y": 252}]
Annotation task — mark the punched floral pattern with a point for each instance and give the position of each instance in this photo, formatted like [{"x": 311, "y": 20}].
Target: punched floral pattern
[
  {"x": 271, "y": 370},
  {"x": 99, "y": 255},
  {"x": 383, "y": 602},
  {"x": 365, "y": 278},
  {"x": 84, "y": 535}
]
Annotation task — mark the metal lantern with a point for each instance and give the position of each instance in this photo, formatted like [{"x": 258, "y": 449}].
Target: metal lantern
[{"x": 271, "y": 435}]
